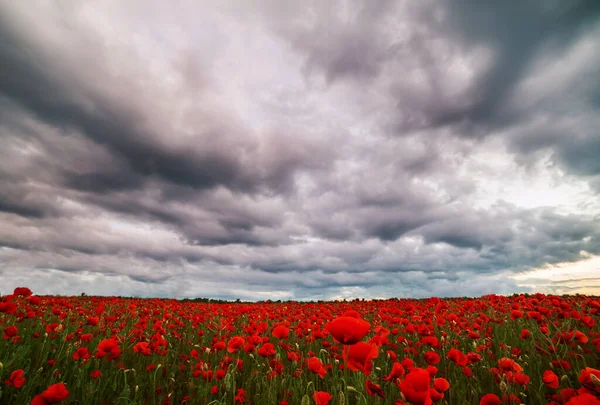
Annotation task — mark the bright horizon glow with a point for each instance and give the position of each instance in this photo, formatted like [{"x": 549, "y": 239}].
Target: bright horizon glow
[{"x": 581, "y": 277}]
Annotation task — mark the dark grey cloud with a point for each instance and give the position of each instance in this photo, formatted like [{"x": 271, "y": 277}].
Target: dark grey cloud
[
  {"x": 303, "y": 151},
  {"x": 415, "y": 56},
  {"x": 67, "y": 98},
  {"x": 516, "y": 32}
]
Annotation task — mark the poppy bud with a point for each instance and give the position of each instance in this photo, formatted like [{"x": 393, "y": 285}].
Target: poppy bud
[
  {"x": 1, "y": 366},
  {"x": 503, "y": 386},
  {"x": 341, "y": 398},
  {"x": 595, "y": 380}
]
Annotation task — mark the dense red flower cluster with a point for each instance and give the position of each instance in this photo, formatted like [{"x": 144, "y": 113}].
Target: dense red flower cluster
[{"x": 530, "y": 349}]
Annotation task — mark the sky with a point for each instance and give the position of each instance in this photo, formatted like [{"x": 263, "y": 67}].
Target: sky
[{"x": 300, "y": 150}]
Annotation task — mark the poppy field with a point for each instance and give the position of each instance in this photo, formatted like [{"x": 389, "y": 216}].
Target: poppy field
[{"x": 523, "y": 349}]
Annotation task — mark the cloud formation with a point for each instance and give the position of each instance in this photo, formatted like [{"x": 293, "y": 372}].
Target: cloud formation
[{"x": 255, "y": 150}]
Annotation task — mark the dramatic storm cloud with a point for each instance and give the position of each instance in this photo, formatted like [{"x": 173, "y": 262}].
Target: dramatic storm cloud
[{"x": 299, "y": 150}]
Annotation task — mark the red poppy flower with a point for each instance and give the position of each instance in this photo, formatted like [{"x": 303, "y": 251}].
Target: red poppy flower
[
  {"x": 565, "y": 394},
  {"x": 53, "y": 394},
  {"x": 348, "y": 330},
  {"x": 584, "y": 399},
  {"x": 415, "y": 387},
  {"x": 473, "y": 357},
  {"x": 435, "y": 395},
  {"x": 432, "y": 358},
  {"x": 220, "y": 345},
  {"x": 430, "y": 341},
  {"x": 521, "y": 378},
  {"x": 506, "y": 364},
  {"x": 322, "y": 397},
  {"x": 315, "y": 366},
  {"x": 22, "y": 291},
  {"x": 16, "y": 379},
  {"x": 93, "y": 320},
  {"x": 397, "y": 372},
  {"x": 359, "y": 357},
  {"x": 561, "y": 364},
  {"x": 586, "y": 380},
  {"x": 34, "y": 300},
  {"x": 235, "y": 343},
  {"x": 10, "y": 332},
  {"x": 352, "y": 313},
  {"x": 281, "y": 332},
  {"x": 108, "y": 347},
  {"x": 441, "y": 384},
  {"x": 550, "y": 379},
  {"x": 588, "y": 321},
  {"x": 143, "y": 348},
  {"x": 457, "y": 357},
  {"x": 581, "y": 337},
  {"x": 86, "y": 337},
  {"x": 267, "y": 350},
  {"x": 408, "y": 363},
  {"x": 374, "y": 389},
  {"x": 81, "y": 353},
  {"x": 490, "y": 399},
  {"x": 240, "y": 396},
  {"x": 381, "y": 331},
  {"x": 432, "y": 370}
]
